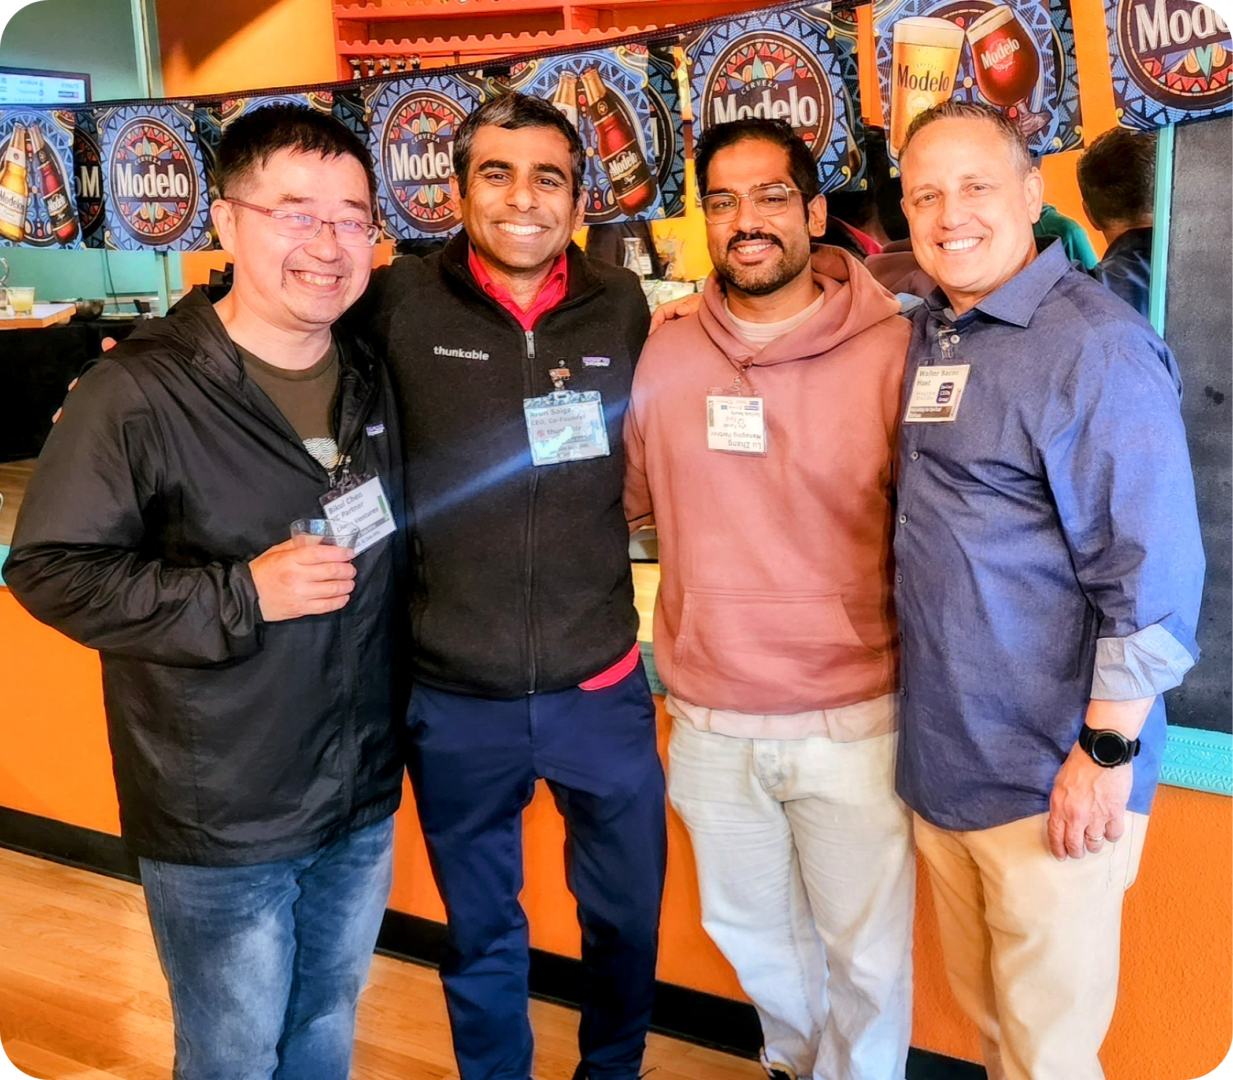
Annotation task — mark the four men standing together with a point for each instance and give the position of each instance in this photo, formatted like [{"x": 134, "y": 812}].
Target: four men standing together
[{"x": 1029, "y": 420}]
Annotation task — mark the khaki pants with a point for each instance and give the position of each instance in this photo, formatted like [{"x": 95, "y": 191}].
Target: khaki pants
[{"x": 1032, "y": 945}]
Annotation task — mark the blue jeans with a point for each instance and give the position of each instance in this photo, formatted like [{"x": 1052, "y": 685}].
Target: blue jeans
[
  {"x": 266, "y": 963},
  {"x": 474, "y": 764}
]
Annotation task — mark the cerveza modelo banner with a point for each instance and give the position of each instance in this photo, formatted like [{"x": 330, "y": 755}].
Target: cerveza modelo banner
[
  {"x": 779, "y": 64},
  {"x": 38, "y": 207},
  {"x": 1000, "y": 54},
  {"x": 154, "y": 178},
  {"x": 1171, "y": 61}
]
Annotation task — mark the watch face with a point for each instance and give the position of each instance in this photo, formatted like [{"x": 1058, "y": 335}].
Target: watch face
[{"x": 1108, "y": 749}]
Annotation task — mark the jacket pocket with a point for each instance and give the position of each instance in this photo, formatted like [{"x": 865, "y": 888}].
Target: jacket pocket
[{"x": 772, "y": 653}]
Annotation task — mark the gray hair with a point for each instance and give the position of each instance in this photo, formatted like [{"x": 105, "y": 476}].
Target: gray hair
[{"x": 1012, "y": 135}]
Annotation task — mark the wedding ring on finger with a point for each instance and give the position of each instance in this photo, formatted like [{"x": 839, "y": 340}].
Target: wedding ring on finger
[{"x": 1096, "y": 840}]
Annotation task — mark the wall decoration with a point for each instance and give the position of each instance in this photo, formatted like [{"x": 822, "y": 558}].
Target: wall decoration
[
  {"x": 38, "y": 205},
  {"x": 668, "y": 128}
]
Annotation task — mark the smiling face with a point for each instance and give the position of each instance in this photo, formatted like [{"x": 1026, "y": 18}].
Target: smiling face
[
  {"x": 970, "y": 208},
  {"x": 519, "y": 210},
  {"x": 752, "y": 253},
  {"x": 297, "y": 285}
]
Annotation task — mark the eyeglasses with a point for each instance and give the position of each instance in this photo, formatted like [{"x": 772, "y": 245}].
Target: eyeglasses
[
  {"x": 296, "y": 226},
  {"x": 767, "y": 199}
]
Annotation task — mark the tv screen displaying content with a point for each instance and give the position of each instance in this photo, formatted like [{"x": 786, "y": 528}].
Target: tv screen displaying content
[{"x": 22, "y": 86}]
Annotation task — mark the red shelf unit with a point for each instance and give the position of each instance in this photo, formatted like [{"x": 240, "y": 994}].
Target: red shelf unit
[{"x": 439, "y": 33}]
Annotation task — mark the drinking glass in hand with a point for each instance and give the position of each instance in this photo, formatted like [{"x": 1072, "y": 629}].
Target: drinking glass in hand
[{"x": 308, "y": 531}]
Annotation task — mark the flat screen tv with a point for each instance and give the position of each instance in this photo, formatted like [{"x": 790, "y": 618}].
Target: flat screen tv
[{"x": 23, "y": 86}]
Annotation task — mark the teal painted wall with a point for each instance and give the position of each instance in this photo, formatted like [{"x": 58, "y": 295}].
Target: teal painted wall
[{"x": 98, "y": 37}]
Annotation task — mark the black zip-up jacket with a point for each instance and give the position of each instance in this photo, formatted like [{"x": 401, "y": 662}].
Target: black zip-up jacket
[
  {"x": 521, "y": 578},
  {"x": 234, "y": 741}
]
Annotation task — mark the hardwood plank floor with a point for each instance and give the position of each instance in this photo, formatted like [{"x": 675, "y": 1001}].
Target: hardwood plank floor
[
  {"x": 82, "y": 996},
  {"x": 14, "y": 476}
]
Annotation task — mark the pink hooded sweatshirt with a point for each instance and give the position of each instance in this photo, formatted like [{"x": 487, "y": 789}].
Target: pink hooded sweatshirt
[{"x": 775, "y": 591}]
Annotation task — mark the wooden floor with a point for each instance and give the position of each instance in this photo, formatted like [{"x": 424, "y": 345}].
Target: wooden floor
[
  {"x": 14, "y": 475},
  {"x": 82, "y": 996}
]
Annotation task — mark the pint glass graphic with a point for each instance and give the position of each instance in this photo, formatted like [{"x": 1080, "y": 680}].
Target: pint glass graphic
[
  {"x": 924, "y": 61},
  {"x": 1007, "y": 65}
]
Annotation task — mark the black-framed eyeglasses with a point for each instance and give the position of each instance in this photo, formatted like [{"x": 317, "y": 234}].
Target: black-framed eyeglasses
[
  {"x": 349, "y": 232},
  {"x": 767, "y": 199}
]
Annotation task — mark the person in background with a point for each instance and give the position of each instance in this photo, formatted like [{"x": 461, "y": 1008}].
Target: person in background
[
  {"x": 774, "y": 631},
  {"x": 1075, "y": 242},
  {"x": 607, "y": 244},
  {"x": 1048, "y": 577},
  {"x": 512, "y": 355},
  {"x": 251, "y": 705},
  {"x": 1117, "y": 178}
]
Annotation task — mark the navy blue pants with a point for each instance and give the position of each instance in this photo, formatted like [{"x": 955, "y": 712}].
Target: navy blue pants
[{"x": 474, "y": 763}]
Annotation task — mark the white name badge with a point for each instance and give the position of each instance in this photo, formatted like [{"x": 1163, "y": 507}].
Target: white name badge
[
  {"x": 736, "y": 425},
  {"x": 567, "y": 425},
  {"x": 366, "y": 506},
  {"x": 936, "y": 394}
]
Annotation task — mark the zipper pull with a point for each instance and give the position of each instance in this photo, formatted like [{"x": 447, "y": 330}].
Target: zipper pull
[{"x": 530, "y": 344}]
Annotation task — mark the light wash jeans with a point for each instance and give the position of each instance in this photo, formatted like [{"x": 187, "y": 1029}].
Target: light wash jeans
[
  {"x": 266, "y": 963},
  {"x": 808, "y": 879}
]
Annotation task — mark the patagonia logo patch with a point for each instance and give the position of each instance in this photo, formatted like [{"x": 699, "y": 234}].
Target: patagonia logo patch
[
  {"x": 373, "y": 430},
  {"x": 461, "y": 354},
  {"x": 596, "y": 361}
]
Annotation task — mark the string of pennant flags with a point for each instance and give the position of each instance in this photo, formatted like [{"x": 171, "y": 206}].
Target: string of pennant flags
[{"x": 137, "y": 175}]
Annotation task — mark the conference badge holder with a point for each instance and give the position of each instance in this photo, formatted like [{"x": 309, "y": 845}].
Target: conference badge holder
[
  {"x": 938, "y": 388},
  {"x": 359, "y": 501},
  {"x": 565, "y": 425},
  {"x": 736, "y": 419}
]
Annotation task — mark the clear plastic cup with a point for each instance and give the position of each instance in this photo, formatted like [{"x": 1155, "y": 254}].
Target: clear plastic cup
[
  {"x": 308, "y": 531},
  {"x": 22, "y": 299}
]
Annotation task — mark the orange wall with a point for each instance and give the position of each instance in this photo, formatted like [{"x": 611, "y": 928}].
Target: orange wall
[{"x": 1174, "y": 1017}]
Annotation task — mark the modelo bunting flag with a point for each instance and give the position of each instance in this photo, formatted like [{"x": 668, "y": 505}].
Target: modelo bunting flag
[
  {"x": 38, "y": 207},
  {"x": 999, "y": 54},
  {"x": 412, "y": 124},
  {"x": 88, "y": 177},
  {"x": 668, "y": 128},
  {"x": 603, "y": 93},
  {"x": 779, "y": 64},
  {"x": 1069, "y": 109},
  {"x": 154, "y": 178},
  {"x": 1171, "y": 61},
  {"x": 840, "y": 29}
]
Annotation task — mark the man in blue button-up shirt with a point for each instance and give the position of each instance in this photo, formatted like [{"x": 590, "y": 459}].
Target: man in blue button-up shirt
[{"x": 1049, "y": 570}]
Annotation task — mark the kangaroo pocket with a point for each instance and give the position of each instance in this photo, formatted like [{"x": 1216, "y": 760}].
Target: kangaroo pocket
[{"x": 772, "y": 653}]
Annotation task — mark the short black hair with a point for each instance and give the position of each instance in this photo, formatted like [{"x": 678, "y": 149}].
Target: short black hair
[
  {"x": 955, "y": 109},
  {"x": 779, "y": 133},
  {"x": 1117, "y": 178},
  {"x": 251, "y": 140},
  {"x": 513, "y": 111}
]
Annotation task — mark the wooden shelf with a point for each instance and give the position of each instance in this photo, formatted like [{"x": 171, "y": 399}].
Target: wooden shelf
[{"x": 429, "y": 29}]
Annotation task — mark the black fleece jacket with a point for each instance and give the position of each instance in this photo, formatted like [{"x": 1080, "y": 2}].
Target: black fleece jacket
[
  {"x": 234, "y": 741},
  {"x": 520, "y": 576}
]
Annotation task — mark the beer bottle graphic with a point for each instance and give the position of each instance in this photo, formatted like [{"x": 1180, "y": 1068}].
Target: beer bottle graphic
[
  {"x": 14, "y": 188},
  {"x": 566, "y": 96},
  {"x": 54, "y": 191},
  {"x": 633, "y": 183}
]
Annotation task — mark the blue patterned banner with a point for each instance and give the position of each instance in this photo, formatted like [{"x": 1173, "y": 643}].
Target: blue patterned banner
[
  {"x": 1069, "y": 109},
  {"x": 412, "y": 124},
  {"x": 1172, "y": 61},
  {"x": 998, "y": 54},
  {"x": 604, "y": 94},
  {"x": 783, "y": 64},
  {"x": 38, "y": 206},
  {"x": 668, "y": 125},
  {"x": 155, "y": 179}
]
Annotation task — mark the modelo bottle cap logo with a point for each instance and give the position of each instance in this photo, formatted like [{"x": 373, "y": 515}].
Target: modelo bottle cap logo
[
  {"x": 1177, "y": 51},
  {"x": 87, "y": 179},
  {"x": 153, "y": 182},
  {"x": 417, "y": 154},
  {"x": 768, "y": 75}
]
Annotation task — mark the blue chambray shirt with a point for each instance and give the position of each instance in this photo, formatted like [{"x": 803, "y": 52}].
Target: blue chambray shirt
[{"x": 1047, "y": 547}]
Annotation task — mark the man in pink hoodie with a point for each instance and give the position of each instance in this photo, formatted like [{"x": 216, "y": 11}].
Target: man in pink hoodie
[{"x": 760, "y": 440}]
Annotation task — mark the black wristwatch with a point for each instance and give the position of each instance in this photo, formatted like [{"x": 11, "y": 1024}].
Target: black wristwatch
[{"x": 1109, "y": 749}]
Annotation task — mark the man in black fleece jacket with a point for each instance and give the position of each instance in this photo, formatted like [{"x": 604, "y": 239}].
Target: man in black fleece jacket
[{"x": 525, "y": 662}]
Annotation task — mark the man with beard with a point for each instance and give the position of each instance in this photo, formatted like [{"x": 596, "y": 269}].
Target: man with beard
[{"x": 760, "y": 437}]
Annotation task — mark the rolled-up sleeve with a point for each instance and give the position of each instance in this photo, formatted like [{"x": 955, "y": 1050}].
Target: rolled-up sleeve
[{"x": 1119, "y": 471}]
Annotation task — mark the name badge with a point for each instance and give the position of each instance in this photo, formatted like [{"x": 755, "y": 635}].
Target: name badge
[
  {"x": 735, "y": 425},
  {"x": 936, "y": 394},
  {"x": 567, "y": 425},
  {"x": 364, "y": 505}
]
